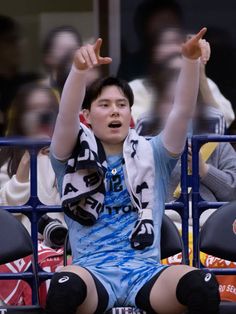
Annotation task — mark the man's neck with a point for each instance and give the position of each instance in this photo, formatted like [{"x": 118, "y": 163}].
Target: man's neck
[{"x": 112, "y": 149}]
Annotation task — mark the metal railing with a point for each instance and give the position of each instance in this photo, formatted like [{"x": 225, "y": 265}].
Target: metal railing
[
  {"x": 181, "y": 206},
  {"x": 198, "y": 204},
  {"x": 34, "y": 209}
]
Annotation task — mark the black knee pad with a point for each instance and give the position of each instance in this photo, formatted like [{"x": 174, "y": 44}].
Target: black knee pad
[
  {"x": 67, "y": 291},
  {"x": 199, "y": 291}
]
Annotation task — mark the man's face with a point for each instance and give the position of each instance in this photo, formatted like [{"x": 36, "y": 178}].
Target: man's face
[{"x": 110, "y": 116}]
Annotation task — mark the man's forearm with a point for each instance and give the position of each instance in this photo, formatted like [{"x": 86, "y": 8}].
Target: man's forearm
[
  {"x": 187, "y": 88},
  {"x": 175, "y": 131}
]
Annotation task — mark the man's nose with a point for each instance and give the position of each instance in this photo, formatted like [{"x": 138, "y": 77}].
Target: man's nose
[{"x": 115, "y": 109}]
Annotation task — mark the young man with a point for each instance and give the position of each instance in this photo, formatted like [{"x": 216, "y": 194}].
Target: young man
[{"x": 113, "y": 186}]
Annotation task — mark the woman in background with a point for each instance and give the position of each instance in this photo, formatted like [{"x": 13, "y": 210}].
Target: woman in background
[{"x": 32, "y": 115}]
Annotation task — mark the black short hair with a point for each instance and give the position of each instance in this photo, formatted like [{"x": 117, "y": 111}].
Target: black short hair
[
  {"x": 48, "y": 41},
  {"x": 95, "y": 89}
]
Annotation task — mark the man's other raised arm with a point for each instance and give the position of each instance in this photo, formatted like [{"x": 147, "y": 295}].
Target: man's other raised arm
[{"x": 175, "y": 131}]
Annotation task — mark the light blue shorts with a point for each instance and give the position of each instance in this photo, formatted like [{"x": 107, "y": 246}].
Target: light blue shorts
[{"x": 122, "y": 283}]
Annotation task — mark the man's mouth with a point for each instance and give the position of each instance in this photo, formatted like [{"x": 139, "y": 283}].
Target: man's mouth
[{"x": 114, "y": 125}]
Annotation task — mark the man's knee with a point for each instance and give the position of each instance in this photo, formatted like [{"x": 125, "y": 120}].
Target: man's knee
[
  {"x": 67, "y": 291},
  {"x": 199, "y": 291}
]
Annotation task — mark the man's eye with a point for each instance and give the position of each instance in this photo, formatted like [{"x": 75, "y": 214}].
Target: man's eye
[
  {"x": 123, "y": 104},
  {"x": 104, "y": 105}
]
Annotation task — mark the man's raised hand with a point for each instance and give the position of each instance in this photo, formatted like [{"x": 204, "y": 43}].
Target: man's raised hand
[
  {"x": 89, "y": 56},
  {"x": 197, "y": 47}
]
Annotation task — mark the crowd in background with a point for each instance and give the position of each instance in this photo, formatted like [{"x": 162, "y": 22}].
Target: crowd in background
[{"x": 29, "y": 105}]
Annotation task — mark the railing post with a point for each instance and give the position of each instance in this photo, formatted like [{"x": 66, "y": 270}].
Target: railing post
[
  {"x": 185, "y": 200},
  {"x": 195, "y": 198}
]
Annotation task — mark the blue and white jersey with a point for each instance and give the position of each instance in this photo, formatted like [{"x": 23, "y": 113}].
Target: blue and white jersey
[{"x": 107, "y": 241}]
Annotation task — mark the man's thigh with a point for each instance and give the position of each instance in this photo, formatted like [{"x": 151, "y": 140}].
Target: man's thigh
[
  {"x": 163, "y": 293},
  {"x": 158, "y": 295}
]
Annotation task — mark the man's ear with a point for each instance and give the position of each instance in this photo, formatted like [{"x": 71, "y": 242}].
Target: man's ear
[{"x": 86, "y": 114}]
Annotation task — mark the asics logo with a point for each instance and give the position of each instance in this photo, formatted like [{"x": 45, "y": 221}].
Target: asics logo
[
  {"x": 207, "y": 277},
  {"x": 63, "y": 279}
]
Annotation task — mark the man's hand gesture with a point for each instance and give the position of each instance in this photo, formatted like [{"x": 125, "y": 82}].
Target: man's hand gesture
[
  {"x": 197, "y": 47},
  {"x": 88, "y": 56}
]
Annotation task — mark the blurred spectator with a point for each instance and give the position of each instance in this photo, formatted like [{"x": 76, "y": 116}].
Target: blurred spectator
[
  {"x": 60, "y": 43},
  {"x": 10, "y": 60},
  {"x": 167, "y": 44},
  {"x": 218, "y": 173},
  {"x": 222, "y": 64},
  {"x": 217, "y": 161},
  {"x": 32, "y": 114},
  {"x": 150, "y": 17},
  {"x": 161, "y": 87}
]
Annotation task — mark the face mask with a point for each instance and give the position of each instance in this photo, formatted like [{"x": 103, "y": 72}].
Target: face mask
[{"x": 35, "y": 122}]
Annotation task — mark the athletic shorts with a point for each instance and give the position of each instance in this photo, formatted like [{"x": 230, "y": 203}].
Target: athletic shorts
[{"x": 122, "y": 283}]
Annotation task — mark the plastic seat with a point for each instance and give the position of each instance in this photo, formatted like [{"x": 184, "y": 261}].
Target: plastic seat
[
  {"x": 16, "y": 243},
  {"x": 227, "y": 308},
  {"x": 171, "y": 241},
  {"x": 218, "y": 234}
]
